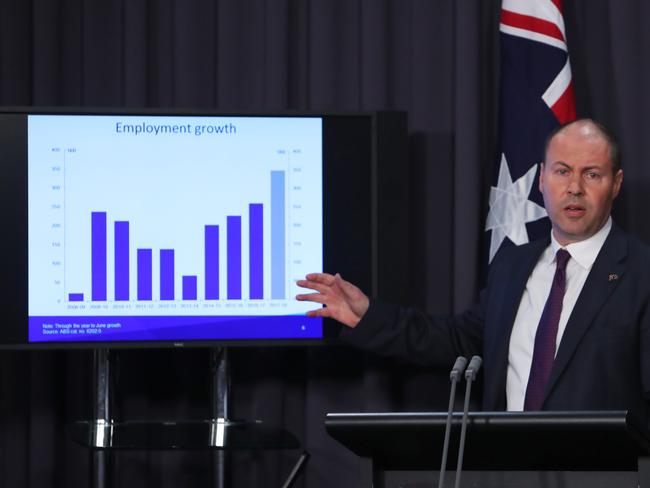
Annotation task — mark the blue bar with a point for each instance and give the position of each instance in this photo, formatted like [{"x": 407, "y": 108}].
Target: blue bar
[
  {"x": 144, "y": 274},
  {"x": 278, "y": 256},
  {"x": 212, "y": 262},
  {"x": 98, "y": 258},
  {"x": 166, "y": 274},
  {"x": 189, "y": 288},
  {"x": 256, "y": 250},
  {"x": 233, "y": 248},
  {"x": 121, "y": 239}
]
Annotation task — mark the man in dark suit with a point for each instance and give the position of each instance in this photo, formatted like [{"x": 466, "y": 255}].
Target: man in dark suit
[{"x": 564, "y": 322}]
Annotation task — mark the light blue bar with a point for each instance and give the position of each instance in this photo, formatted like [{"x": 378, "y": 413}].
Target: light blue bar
[{"x": 278, "y": 252}]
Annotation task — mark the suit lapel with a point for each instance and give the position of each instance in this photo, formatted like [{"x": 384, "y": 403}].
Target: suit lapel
[{"x": 603, "y": 278}]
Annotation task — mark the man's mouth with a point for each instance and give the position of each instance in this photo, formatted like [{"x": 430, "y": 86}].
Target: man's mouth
[{"x": 574, "y": 210}]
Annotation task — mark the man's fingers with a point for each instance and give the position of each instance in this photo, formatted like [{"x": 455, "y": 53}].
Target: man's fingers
[
  {"x": 342, "y": 300},
  {"x": 319, "y": 312},
  {"x": 346, "y": 286},
  {"x": 323, "y": 278},
  {"x": 312, "y": 297},
  {"x": 312, "y": 285}
]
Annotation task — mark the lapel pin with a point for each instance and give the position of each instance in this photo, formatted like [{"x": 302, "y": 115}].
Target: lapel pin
[{"x": 612, "y": 277}]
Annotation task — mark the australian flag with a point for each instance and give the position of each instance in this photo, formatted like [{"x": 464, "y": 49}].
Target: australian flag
[{"x": 536, "y": 97}]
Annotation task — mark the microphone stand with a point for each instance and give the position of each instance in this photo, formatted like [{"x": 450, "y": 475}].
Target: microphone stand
[
  {"x": 454, "y": 376},
  {"x": 470, "y": 376}
]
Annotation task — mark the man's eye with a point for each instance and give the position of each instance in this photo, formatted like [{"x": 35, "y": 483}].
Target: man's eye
[
  {"x": 593, "y": 176},
  {"x": 562, "y": 171}
]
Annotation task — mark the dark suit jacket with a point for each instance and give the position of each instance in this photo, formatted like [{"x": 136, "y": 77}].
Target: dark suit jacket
[{"x": 603, "y": 362}]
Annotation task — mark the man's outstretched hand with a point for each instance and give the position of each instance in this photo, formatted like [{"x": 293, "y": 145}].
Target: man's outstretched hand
[{"x": 343, "y": 301}]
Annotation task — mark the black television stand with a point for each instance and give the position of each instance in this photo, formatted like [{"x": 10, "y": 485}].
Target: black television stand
[{"x": 219, "y": 432}]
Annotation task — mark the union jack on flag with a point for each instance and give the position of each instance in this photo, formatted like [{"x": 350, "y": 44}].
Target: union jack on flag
[{"x": 536, "y": 96}]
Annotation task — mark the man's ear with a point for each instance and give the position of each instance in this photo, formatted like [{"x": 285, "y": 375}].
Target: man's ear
[
  {"x": 618, "y": 180},
  {"x": 541, "y": 177}
]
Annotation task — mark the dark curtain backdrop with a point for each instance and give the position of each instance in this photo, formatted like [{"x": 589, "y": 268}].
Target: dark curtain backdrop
[{"x": 435, "y": 59}]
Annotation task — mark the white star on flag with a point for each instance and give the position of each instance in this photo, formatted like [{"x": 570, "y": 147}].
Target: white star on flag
[{"x": 510, "y": 208}]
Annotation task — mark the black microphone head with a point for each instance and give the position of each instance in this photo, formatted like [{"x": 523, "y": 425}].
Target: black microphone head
[
  {"x": 459, "y": 367},
  {"x": 474, "y": 366}
]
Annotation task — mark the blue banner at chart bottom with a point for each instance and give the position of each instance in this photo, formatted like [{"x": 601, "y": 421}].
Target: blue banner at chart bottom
[{"x": 173, "y": 328}]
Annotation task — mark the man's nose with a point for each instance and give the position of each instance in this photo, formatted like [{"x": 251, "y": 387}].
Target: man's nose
[{"x": 575, "y": 185}]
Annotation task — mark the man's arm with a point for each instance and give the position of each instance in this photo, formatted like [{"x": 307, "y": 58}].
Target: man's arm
[{"x": 390, "y": 330}]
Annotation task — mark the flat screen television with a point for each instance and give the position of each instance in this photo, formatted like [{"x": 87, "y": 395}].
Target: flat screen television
[{"x": 176, "y": 228}]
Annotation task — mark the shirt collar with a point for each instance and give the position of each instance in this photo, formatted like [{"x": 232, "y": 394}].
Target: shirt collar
[{"x": 585, "y": 252}]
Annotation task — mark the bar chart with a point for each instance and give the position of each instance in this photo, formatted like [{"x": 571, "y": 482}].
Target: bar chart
[
  {"x": 99, "y": 271},
  {"x": 172, "y": 216}
]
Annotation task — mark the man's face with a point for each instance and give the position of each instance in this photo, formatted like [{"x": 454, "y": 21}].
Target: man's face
[{"x": 577, "y": 183}]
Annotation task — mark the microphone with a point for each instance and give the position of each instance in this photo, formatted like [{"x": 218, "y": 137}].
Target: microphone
[
  {"x": 470, "y": 377},
  {"x": 457, "y": 370},
  {"x": 454, "y": 377}
]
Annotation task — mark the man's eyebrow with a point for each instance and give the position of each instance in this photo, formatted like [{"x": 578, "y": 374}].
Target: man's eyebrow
[
  {"x": 554, "y": 163},
  {"x": 592, "y": 166}
]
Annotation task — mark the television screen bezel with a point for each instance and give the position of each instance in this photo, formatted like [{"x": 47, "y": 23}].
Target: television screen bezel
[{"x": 330, "y": 328}]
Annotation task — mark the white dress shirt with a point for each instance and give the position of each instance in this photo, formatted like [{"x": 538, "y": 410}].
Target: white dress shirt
[{"x": 522, "y": 339}]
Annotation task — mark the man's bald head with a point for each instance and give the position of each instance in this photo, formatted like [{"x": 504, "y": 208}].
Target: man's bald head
[{"x": 590, "y": 128}]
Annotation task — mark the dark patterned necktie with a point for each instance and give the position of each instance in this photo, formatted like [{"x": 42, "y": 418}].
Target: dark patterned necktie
[{"x": 546, "y": 336}]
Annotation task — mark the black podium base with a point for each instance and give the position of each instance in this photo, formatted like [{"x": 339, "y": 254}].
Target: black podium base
[
  {"x": 203, "y": 434},
  {"x": 512, "y": 479}
]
